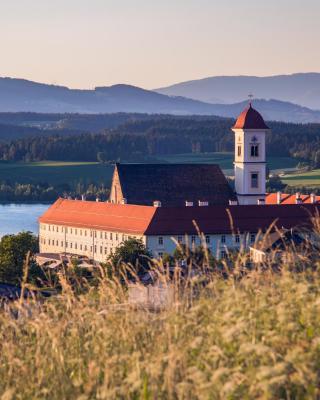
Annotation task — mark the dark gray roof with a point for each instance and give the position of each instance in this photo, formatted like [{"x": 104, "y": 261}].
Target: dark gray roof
[{"x": 173, "y": 184}]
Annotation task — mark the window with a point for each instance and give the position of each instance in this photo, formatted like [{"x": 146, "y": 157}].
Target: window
[
  {"x": 70, "y": 230},
  {"x": 66, "y": 244},
  {"x": 110, "y": 235},
  {"x": 91, "y": 249},
  {"x": 160, "y": 241},
  {"x": 254, "y": 150},
  {"x": 57, "y": 229},
  {"x": 105, "y": 235},
  {"x": 193, "y": 239},
  {"x": 80, "y": 246},
  {"x": 105, "y": 250},
  {"x": 252, "y": 237},
  {"x": 207, "y": 239},
  {"x": 117, "y": 238},
  {"x": 90, "y": 233},
  {"x": 71, "y": 245},
  {"x": 49, "y": 241},
  {"x": 160, "y": 254},
  {"x": 100, "y": 249},
  {"x": 100, "y": 235},
  {"x": 237, "y": 238},
  {"x": 254, "y": 180},
  {"x": 223, "y": 238},
  {"x": 76, "y": 231},
  {"x": 76, "y": 246},
  {"x": 223, "y": 254},
  {"x": 85, "y": 233},
  {"x": 95, "y": 248},
  {"x": 239, "y": 151},
  {"x": 57, "y": 242},
  {"x": 85, "y": 247},
  {"x": 95, "y": 234}
]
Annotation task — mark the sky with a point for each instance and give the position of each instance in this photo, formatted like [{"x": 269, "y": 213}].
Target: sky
[{"x": 155, "y": 43}]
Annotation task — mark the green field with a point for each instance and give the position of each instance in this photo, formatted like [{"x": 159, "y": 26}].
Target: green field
[
  {"x": 225, "y": 160},
  {"x": 307, "y": 179},
  {"x": 56, "y": 173}
]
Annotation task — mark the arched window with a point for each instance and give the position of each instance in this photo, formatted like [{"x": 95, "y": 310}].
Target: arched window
[{"x": 254, "y": 150}]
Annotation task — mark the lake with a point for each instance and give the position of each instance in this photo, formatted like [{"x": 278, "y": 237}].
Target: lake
[{"x": 15, "y": 218}]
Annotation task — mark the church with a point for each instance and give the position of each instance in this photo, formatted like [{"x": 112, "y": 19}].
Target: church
[{"x": 167, "y": 204}]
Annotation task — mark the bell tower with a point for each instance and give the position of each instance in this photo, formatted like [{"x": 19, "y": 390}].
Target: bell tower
[{"x": 250, "y": 157}]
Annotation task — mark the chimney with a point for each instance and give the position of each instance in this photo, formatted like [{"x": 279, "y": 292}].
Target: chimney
[
  {"x": 313, "y": 198},
  {"x": 124, "y": 201},
  {"x": 261, "y": 202},
  {"x": 279, "y": 195},
  {"x": 157, "y": 203},
  {"x": 189, "y": 203},
  {"x": 298, "y": 198},
  {"x": 233, "y": 202},
  {"x": 203, "y": 203}
]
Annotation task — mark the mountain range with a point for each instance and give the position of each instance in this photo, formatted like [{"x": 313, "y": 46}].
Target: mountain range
[
  {"x": 17, "y": 95},
  {"x": 301, "y": 88}
]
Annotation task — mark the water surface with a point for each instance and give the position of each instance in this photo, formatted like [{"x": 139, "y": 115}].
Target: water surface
[{"x": 15, "y": 218}]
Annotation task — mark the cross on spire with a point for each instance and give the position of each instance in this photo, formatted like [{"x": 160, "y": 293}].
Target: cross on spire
[{"x": 251, "y": 97}]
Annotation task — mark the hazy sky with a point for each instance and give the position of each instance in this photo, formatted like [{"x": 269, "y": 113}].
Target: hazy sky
[{"x": 152, "y": 43}]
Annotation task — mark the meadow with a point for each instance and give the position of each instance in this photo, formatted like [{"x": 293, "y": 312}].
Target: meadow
[
  {"x": 252, "y": 338},
  {"x": 225, "y": 160},
  {"x": 56, "y": 173},
  {"x": 71, "y": 173},
  {"x": 307, "y": 179}
]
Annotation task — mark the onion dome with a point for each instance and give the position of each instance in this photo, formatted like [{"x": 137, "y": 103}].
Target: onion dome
[{"x": 250, "y": 119}]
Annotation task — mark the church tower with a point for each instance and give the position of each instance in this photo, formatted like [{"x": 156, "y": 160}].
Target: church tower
[{"x": 250, "y": 157}]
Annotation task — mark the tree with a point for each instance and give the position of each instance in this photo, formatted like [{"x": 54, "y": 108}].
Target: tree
[
  {"x": 13, "y": 252},
  {"x": 317, "y": 159},
  {"x": 132, "y": 253},
  {"x": 102, "y": 157}
]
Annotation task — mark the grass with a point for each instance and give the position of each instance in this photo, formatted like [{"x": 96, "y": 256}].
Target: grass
[
  {"x": 225, "y": 160},
  {"x": 257, "y": 337},
  {"x": 56, "y": 172},
  {"x": 307, "y": 179}
]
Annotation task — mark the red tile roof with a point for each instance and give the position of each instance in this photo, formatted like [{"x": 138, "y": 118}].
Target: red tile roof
[
  {"x": 250, "y": 119},
  {"x": 175, "y": 220},
  {"x": 216, "y": 219},
  {"x": 98, "y": 215},
  {"x": 271, "y": 198}
]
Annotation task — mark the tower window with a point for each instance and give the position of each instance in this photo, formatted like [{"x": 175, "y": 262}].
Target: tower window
[
  {"x": 254, "y": 180},
  {"x": 254, "y": 150},
  {"x": 239, "y": 151}
]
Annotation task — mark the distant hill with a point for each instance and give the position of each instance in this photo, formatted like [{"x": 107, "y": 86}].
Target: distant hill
[
  {"x": 302, "y": 89},
  {"x": 17, "y": 95}
]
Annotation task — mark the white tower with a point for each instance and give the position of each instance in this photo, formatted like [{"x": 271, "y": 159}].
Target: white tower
[{"x": 250, "y": 157}]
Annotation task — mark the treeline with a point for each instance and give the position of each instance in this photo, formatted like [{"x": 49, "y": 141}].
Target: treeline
[
  {"x": 42, "y": 192},
  {"x": 160, "y": 135}
]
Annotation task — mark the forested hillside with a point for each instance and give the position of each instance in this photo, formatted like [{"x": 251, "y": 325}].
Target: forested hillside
[{"x": 158, "y": 135}]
